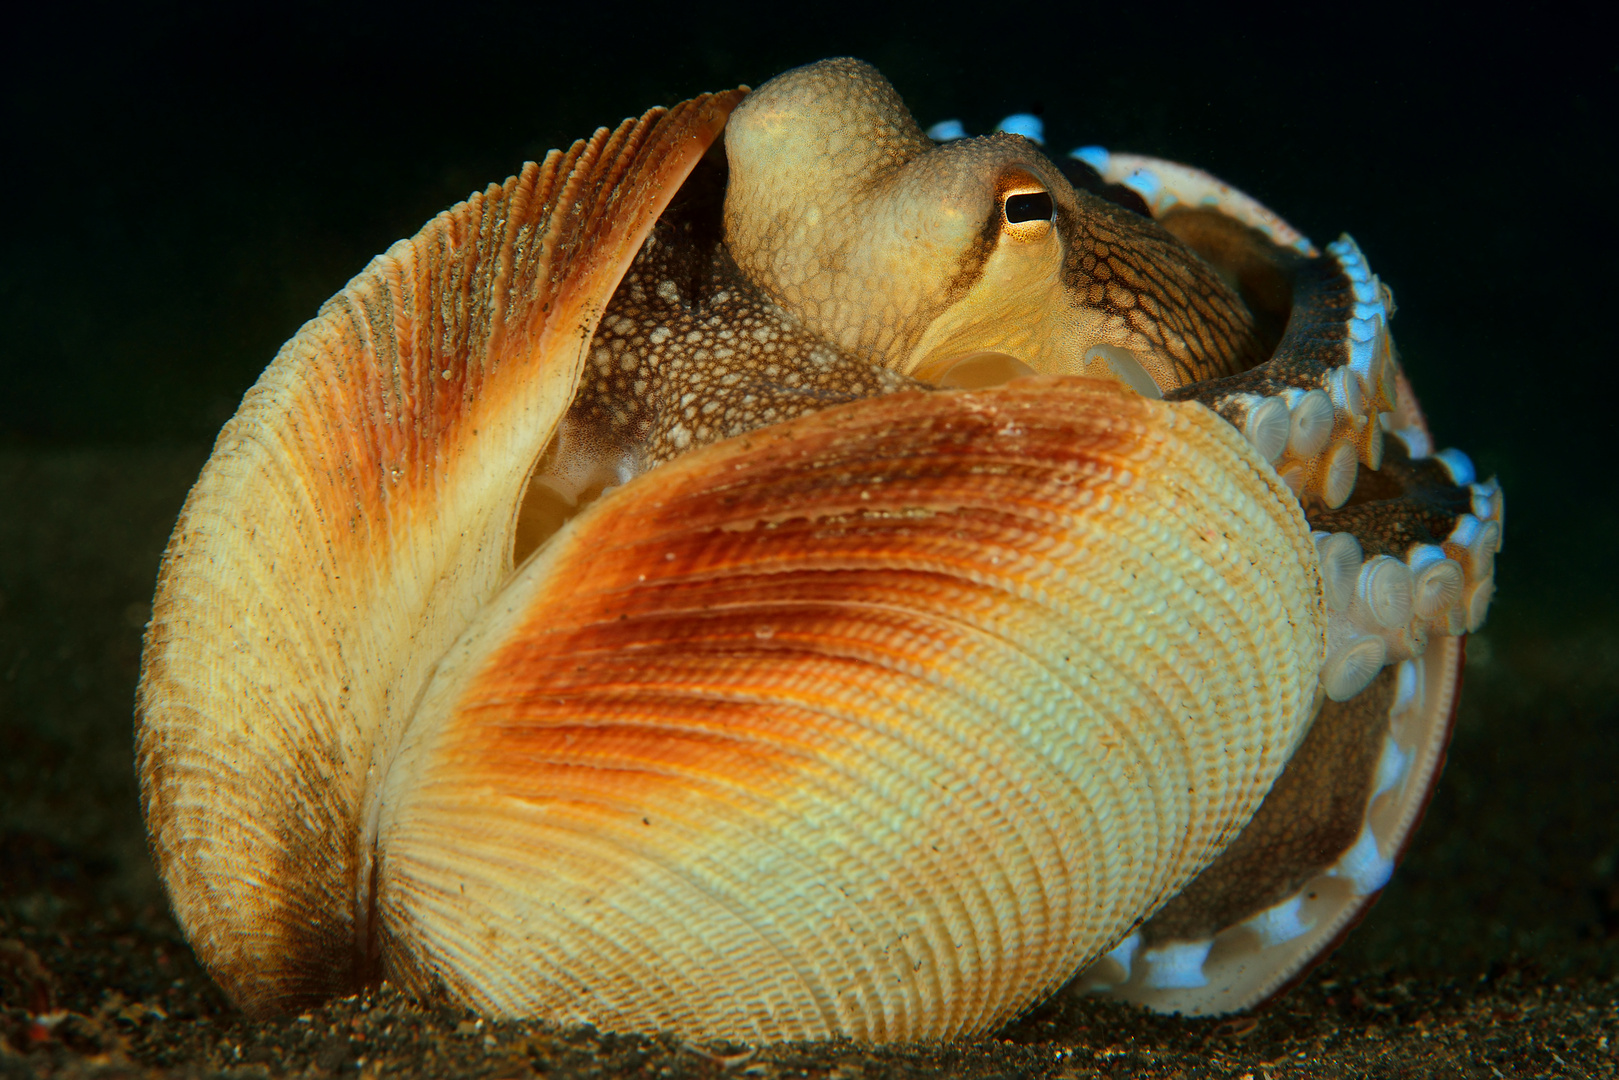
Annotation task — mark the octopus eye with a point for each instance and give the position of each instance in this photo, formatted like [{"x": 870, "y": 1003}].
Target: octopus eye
[{"x": 1028, "y": 206}]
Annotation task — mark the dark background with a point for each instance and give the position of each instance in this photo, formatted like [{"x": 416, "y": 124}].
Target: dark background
[{"x": 185, "y": 186}]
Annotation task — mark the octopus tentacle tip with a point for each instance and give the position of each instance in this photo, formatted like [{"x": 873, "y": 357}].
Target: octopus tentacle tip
[
  {"x": 1281, "y": 923},
  {"x": 1028, "y": 125},
  {"x": 1459, "y": 465},
  {"x": 833, "y": 580},
  {"x": 1094, "y": 156},
  {"x": 1177, "y": 966}
]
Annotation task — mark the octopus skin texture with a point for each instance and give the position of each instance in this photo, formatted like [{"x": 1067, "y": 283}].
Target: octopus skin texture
[{"x": 765, "y": 573}]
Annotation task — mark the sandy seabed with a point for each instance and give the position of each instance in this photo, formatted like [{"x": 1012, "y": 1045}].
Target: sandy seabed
[{"x": 1495, "y": 952}]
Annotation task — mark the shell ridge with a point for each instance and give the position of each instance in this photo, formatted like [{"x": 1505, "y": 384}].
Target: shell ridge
[
  {"x": 353, "y": 431},
  {"x": 690, "y": 636},
  {"x": 545, "y": 669},
  {"x": 821, "y": 708}
]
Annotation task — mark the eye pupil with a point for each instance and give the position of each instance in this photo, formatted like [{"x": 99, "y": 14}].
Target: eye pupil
[{"x": 1030, "y": 206}]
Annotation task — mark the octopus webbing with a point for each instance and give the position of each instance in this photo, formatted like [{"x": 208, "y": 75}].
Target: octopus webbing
[{"x": 766, "y": 573}]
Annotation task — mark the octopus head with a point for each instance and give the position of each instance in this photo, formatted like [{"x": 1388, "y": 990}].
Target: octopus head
[{"x": 927, "y": 256}]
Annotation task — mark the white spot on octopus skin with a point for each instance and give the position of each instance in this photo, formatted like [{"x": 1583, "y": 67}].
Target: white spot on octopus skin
[
  {"x": 1407, "y": 687},
  {"x": 1281, "y": 923},
  {"x": 1177, "y": 966},
  {"x": 1365, "y": 867},
  {"x": 1459, "y": 465},
  {"x": 1123, "y": 954},
  {"x": 1392, "y": 766}
]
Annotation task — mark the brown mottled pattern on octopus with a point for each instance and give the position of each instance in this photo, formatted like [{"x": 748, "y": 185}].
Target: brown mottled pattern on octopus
[
  {"x": 1316, "y": 341},
  {"x": 681, "y": 361},
  {"x": 1142, "y": 276},
  {"x": 1403, "y": 503},
  {"x": 1310, "y": 817}
]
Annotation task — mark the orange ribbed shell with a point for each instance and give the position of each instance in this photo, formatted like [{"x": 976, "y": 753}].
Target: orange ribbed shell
[{"x": 878, "y": 723}]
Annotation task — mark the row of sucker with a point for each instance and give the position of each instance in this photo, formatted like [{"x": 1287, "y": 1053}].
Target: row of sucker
[
  {"x": 1407, "y": 543},
  {"x": 1399, "y": 570},
  {"x": 1206, "y": 961},
  {"x": 1165, "y": 186},
  {"x": 1406, "y": 539},
  {"x": 1314, "y": 408}
]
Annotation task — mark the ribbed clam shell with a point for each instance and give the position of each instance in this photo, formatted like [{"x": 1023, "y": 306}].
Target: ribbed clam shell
[
  {"x": 878, "y": 723},
  {"x": 356, "y": 512}
]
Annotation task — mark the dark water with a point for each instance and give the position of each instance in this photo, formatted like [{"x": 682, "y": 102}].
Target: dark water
[
  {"x": 184, "y": 188},
  {"x": 187, "y": 188}
]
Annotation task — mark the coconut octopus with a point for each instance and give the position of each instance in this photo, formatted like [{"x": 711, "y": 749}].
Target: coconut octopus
[{"x": 766, "y": 574}]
